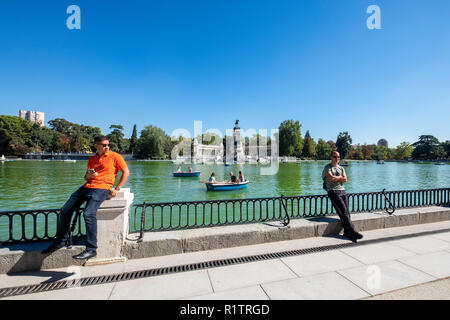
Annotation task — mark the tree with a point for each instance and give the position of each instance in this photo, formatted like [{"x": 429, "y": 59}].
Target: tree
[
  {"x": 332, "y": 144},
  {"x": 446, "y": 146},
  {"x": 428, "y": 147},
  {"x": 91, "y": 133},
  {"x": 133, "y": 140},
  {"x": 343, "y": 144},
  {"x": 309, "y": 146},
  {"x": 209, "y": 138},
  {"x": 368, "y": 151},
  {"x": 381, "y": 152},
  {"x": 151, "y": 143},
  {"x": 403, "y": 151},
  {"x": 323, "y": 149},
  {"x": 42, "y": 138},
  {"x": 60, "y": 125},
  {"x": 116, "y": 140},
  {"x": 78, "y": 137},
  {"x": 356, "y": 153},
  {"x": 15, "y": 135},
  {"x": 290, "y": 138}
]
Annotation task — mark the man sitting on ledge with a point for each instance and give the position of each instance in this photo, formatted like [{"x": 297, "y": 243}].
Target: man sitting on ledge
[{"x": 100, "y": 176}]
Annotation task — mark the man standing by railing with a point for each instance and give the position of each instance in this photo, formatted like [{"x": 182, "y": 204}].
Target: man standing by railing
[
  {"x": 334, "y": 176},
  {"x": 100, "y": 176}
]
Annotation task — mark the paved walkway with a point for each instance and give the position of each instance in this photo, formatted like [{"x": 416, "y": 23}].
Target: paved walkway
[{"x": 412, "y": 268}]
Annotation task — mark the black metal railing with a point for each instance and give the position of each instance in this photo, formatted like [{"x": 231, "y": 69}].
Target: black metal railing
[
  {"x": 165, "y": 216},
  {"x": 38, "y": 225},
  {"x": 34, "y": 225}
]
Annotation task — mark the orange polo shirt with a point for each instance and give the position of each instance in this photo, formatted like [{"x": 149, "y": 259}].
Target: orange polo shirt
[{"x": 107, "y": 167}]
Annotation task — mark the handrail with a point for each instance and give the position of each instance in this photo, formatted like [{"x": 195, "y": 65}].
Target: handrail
[
  {"x": 180, "y": 215},
  {"x": 286, "y": 218},
  {"x": 40, "y": 225},
  {"x": 390, "y": 203}
]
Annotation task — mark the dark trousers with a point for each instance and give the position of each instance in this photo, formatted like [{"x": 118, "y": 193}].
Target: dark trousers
[
  {"x": 93, "y": 198},
  {"x": 339, "y": 200}
]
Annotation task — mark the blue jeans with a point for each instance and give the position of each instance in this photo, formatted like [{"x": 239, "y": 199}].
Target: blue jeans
[{"x": 93, "y": 198}]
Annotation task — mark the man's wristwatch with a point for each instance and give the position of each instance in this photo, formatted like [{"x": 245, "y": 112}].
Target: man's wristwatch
[{"x": 117, "y": 188}]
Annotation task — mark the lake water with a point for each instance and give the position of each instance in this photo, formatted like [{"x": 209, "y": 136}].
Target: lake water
[{"x": 48, "y": 184}]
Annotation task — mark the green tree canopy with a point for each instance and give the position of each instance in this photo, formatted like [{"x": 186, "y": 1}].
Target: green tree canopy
[
  {"x": 60, "y": 125},
  {"x": 446, "y": 146},
  {"x": 403, "y": 151},
  {"x": 309, "y": 146},
  {"x": 290, "y": 138},
  {"x": 72, "y": 137},
  {"x": 356, "y": 153},
  {"x": 381, "y": 152},
  {"x": 42, "y": 138},
  {"x": 133, "y": 140},
  {"x": 15, "y": 135},
  {"x": 209, "y": 138},
  {"x": 151, "y": 143},
  {"x": 428, "y": 147},
  {"x": 116, "y": 139},
  {"x": 343, "y": 144},
  {"x": 323, "y": 149}
]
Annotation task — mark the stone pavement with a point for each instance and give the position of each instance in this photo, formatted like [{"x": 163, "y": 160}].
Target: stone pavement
[{"x": 412, "y": 268}]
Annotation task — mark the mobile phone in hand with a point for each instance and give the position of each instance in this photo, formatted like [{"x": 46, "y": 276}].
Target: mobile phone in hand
[{"x": 91, "y": 171}]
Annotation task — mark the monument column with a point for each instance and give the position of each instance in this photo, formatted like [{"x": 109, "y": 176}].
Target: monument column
[{"x": 238, "y": 150}]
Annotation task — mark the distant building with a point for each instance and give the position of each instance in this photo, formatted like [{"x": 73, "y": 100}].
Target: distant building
[
  {"x": 382, "y": 143},
  {"x": 33, "y": 116}
]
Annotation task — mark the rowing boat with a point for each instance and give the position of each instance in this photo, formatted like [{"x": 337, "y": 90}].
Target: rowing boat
[
  {"x": 225, "y": 186},
  {"x": 186, "y": 174}
]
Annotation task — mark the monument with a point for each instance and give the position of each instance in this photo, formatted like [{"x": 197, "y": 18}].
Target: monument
[{"x": 238, "y": 149}]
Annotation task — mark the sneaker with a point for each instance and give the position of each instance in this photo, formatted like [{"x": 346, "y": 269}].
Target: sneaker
[
  {"x": 351, "y": 236},
  {"x": 86, "y": 254},
  {"x": 358, "y": 235}
]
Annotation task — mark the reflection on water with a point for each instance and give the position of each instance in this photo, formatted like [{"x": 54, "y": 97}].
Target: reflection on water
[{"x": 40, "y": 185}]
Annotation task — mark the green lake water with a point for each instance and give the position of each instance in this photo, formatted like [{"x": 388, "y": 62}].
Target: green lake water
[{"x": 48, "y": 184}]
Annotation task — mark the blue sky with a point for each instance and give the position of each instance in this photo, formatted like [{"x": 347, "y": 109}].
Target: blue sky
[{"x": 168, "y": 63}]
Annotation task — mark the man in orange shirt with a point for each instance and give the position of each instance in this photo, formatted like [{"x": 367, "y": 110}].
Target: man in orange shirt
[{"x": 100, "y": 176}]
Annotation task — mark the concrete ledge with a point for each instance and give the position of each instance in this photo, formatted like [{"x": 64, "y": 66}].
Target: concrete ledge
[
  {"x": 27, "y": 257},
  {"x": 112, "y": 224},
  {"x": 175, "y": 242}
]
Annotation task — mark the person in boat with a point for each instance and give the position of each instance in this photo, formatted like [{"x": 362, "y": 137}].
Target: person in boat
[
  {"x": 102, "y": 169},
  {"x": 241, "y": 177},
  {"x": 334, "y": 177},
  {"x": 212, "y": 178},
  {"x": 233, "y": 178},
  {"x": 190, "y": 169},
  {"x": 179, "y": 169}
]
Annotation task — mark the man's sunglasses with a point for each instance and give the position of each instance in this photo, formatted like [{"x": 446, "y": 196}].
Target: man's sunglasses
[
  {"x": 104, "y": 144},
  {"x": 335, "y": 157}
]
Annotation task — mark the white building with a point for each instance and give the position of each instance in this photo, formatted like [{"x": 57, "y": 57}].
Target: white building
[{"x": 33, "y": 116}]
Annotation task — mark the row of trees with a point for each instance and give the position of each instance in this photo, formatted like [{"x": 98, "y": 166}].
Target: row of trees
[
  {"x": 293, "y": 144},
  {"x": 18, "y": 137}
]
